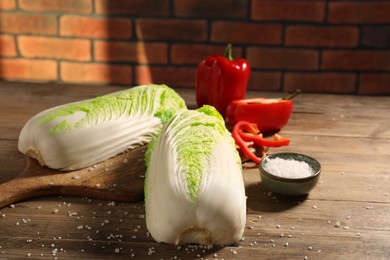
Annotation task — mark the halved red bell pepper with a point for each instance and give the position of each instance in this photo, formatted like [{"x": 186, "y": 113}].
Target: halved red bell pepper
[
  {"x": 268, "y": 114},
  {"x": 245, "y": 133},
  {"x": 220, "y": 80}
]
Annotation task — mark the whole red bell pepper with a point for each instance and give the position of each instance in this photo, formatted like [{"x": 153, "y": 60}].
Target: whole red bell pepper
[
  {"x": 220, "y": 80},
  {"x": 269, "y": 115}
]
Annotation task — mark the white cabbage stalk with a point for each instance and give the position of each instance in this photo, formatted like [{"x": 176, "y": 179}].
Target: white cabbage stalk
[
  {"x": 194, "y": 189},
  {"x": 80, "y": 134}
]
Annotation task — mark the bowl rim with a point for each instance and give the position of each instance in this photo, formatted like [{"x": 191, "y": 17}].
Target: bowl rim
[{"x": 316, "y": 166}]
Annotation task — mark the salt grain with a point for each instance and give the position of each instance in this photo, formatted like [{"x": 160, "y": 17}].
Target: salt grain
[{"x": 288, "y": 168}]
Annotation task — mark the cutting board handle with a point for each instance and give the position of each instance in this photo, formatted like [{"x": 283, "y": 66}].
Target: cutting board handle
[
  {"x": 34, "y": 181},
  {"x": 108, "y": 180}
]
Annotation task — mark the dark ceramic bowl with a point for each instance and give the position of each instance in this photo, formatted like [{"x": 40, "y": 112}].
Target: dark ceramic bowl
[{"x": 290, "y": 186}]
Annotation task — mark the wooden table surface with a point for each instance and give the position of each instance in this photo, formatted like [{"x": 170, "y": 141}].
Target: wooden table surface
[{"x": 347, "y": 216}]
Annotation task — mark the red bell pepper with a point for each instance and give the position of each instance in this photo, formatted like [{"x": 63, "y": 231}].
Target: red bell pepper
[
  {"x": 246, "y": 133},
  {"x": 270, "y": 115},
  {"x": 220, "y": 80}
]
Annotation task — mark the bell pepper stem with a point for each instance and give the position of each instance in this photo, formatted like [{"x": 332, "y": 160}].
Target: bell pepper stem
[
  {"x": 228, "y": 52},
  {"x": 293, "y": 95}
]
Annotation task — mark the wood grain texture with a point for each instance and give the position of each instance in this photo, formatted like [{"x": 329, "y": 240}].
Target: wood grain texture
[
  {"x": 120, "y": 178},
  {"x": 345, "y": 217}
]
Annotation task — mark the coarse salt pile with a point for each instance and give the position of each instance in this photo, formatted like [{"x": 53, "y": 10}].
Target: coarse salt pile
[{"x": 288, "y": 168}]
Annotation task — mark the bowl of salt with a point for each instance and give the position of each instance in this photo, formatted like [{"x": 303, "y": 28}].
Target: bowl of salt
[{"x": 289, "y": 174}]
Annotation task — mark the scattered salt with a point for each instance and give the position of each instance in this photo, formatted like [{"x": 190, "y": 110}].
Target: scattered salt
[{"x": 288, "y": 168}]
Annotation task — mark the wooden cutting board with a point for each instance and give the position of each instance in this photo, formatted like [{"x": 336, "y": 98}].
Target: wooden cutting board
[{"x": 120, "y": 178}]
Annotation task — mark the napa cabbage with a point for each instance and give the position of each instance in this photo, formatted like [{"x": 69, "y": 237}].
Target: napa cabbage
[
  {"x": 194, "y": 189},
  {"x": 80, "y": 134}
]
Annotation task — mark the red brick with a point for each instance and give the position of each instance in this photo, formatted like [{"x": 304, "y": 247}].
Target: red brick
[
  {"x": 340, "y": 83},
  {"x": 172, "y": 76},
  {"x": 193, "y": 54},
  {"x": 6, "y": 5},
  {"x": 24, "y": 69},
  {"x": 91, "y": 27},
  {"x": 54, "y": 48},
  {"x": 69, "y": 6},
  {"x": 211, "y": 9},
  {"x": 279, "y": 58},
  {"x": 171, "y": 29},
  {"x": 322, "y": 36},
  {"x": 374, "y": 84},
  {"x": 133, "y": 7},
  {"x": 359, "y": 12},
  {"x": 264, "y": 81},
  {"x": 140, "y": 52},
  {"x": 248, "y": 33},
  {"x": 7, "y": 46},
  {"x": 28, "y": 23},
  {"x": 356, "y": 60},
  {"x": 95, "y": 73},
  {"x": 376, "y": 36},
  {"x": 288, "y": 10}
]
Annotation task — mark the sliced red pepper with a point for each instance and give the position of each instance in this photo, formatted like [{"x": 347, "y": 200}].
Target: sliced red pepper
[
  {"x": 245, "y": 132},
  {"x": 244, "y": 147},
  {"x": 258, "y": 139},
  {"x": 270, "y": 115}
]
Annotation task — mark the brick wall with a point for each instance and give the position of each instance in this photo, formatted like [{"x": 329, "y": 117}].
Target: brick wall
[{"x": 315, "y": 45}]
